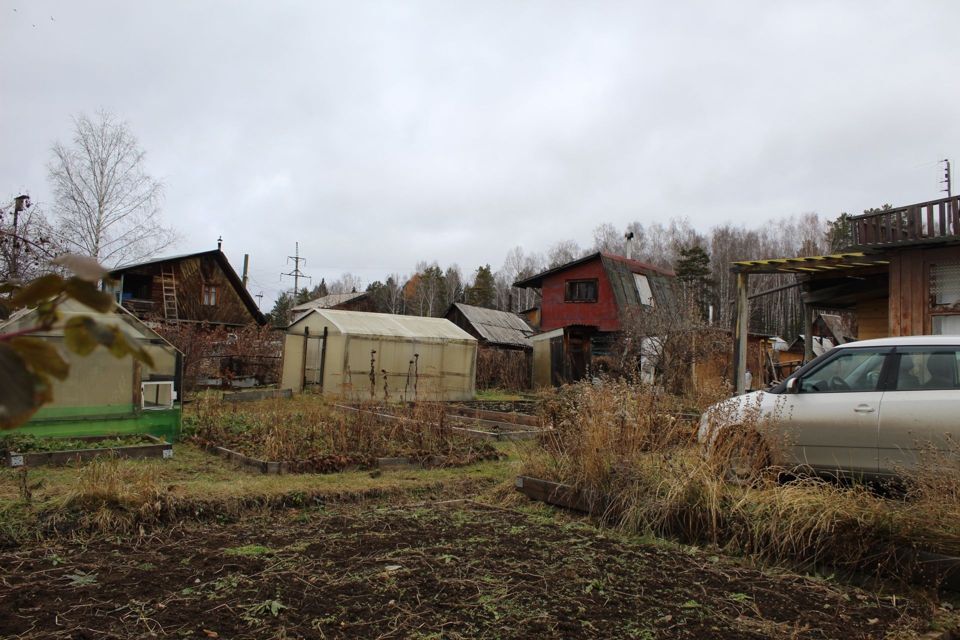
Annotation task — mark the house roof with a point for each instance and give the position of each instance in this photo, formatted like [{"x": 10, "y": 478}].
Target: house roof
[
  {"x": 328, "y": 301},
  {"x": 837, "y": 327},
  {"x": 496, "y": 327},
  {"x": 221, "y": 259},
  {"x": 117, "y": 316},
  {"x": 365, "y": 323},
  {"x": 634, "y": 266},
  {"x": 835, "y": 262}
]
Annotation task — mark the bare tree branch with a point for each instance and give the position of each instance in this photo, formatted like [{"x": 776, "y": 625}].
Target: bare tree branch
[{"x": 106, "y": 205}]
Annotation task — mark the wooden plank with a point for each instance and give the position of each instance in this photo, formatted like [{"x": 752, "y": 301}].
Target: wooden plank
[
  {"x": 930, "y": 228},
  {"x": 942, "y": 229},
  {"x": 918, "y": 293},
  {"x": 158, "y": 449},
  {"x": 893, "y": 299},
  {"x": 561, "y": 495}
]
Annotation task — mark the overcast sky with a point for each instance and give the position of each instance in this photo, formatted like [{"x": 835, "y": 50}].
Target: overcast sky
[{"x": 380, "y": 134}]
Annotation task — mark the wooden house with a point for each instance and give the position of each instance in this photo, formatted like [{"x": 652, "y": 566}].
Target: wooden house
[
  {"x": 900, "y": 277},
  {"x": 504, "y": 348},
  {"x": 196, "y": 287},
  {"x": 582, "y": 303}
]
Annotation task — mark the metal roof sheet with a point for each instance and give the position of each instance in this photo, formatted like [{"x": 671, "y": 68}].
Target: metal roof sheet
[
  {"x": 328, "y": 301},
  {"x": 497, "y": 327},
  {"x": 364, "y": 323}
]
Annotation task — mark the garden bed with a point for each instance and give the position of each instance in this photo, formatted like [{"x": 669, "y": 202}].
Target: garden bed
[
  {"x": 308, "y": 435},
  {"x": 28, "y": 450}
]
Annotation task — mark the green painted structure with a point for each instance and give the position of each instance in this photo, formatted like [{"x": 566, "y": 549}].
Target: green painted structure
[{"x": 104, "y": 395}]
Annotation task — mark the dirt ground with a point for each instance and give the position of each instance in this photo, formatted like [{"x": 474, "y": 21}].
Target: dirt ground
[{"x": 453, "y": 569}]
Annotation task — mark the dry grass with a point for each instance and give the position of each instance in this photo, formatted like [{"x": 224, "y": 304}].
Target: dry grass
[
  {"x": 311, "y": 430},
  {"x": 620, "y": 444}
]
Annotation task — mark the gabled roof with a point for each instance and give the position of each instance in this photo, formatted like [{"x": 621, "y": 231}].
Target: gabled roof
[
  {"x": 221, "y": 259},
  {"x": 496, "y": 327},
  {"x": 329, "y": 301},
  {"x": 634, "y": 266},
  {"x": 366, "y": 323}
]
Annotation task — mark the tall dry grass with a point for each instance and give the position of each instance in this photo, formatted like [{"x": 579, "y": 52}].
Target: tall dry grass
[
  {"x": 310, "y": 429},
  {"x": 117, "y": 495},
  {"x": 625, "y": 448}
]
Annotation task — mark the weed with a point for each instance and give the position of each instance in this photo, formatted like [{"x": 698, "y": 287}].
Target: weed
[{"x": 249, "y": 550}]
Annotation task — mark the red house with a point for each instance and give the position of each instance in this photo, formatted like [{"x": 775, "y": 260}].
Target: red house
[{"x": 581, "y": 305}]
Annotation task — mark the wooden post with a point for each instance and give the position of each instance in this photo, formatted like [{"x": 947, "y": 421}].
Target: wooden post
[
  {"x": 303, "y": 362},
  {"x": 323, "y": 357},
  {"x": 741, "y": 329},
  {"x": 808, "y": 336}
]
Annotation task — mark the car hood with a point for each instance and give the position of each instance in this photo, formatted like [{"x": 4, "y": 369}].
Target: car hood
[{"x": 736, "y": 410}]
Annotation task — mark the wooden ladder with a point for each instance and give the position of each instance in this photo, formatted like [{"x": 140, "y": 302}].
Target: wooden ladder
[{"x": 169, "y": 283}]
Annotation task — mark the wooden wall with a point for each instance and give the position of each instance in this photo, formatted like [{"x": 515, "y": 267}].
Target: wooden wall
[
  {"x": 873, "y": 319},
  {"x": 910, "y": 288}
]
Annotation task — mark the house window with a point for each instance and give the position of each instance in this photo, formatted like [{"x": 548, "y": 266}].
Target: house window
[
  {"x": 643, "y": 289},
  {"x": 945, "y": 297},
  {"x": 945, "y": 283},
  {"x": 211, "y": 295},
  {"x": 581, "y": 291}
]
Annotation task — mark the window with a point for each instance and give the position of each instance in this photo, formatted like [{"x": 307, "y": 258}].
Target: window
[
  {"x": 946, "y": 325},
  {"x": 211, "y": 295},
  {"x": 157, "y": 395},
  {"x": 643, "y": 289},
  {"x": 851, "y": 370},
  {"x": 581, "y": 291},
  {"x": 945, "y": 283},
  {"x": 928, "y": 369}
]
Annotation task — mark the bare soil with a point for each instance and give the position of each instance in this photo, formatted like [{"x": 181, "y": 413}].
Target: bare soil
[{"x": 452, "y": 570}]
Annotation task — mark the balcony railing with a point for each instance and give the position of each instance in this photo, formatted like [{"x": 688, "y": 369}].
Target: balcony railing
[{"x": 932, "y": 221}]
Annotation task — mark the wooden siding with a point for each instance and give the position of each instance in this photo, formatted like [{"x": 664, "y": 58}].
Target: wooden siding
[
  {"x": 556, "y": 312},
  {"x": 873, "y": 319},
  {"x": 192, "y": 274},
  {"x": 910, "y": 303}
]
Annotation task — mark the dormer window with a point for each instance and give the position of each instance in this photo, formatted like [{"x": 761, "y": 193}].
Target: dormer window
[
  {"x": 643, "y": 289},
  {"x": 580, "y": 290}
]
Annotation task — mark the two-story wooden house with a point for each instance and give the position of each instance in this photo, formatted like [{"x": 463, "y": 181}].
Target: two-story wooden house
[
  {"x": 582, "y": 303},
  {"x": 197, "y": 287}
]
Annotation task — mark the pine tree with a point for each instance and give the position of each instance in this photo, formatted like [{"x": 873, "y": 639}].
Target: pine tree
[{"x": 483, "y": 292}]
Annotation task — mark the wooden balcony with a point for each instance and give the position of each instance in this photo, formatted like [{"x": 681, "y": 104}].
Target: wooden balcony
[{"x": 925, "y": 222}]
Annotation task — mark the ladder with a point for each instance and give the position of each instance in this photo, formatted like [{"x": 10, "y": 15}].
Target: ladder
[{"x": 169, "y": 284}]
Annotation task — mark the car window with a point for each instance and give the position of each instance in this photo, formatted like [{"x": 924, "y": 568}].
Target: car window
[
  {"x": 851, "y": 370},
  {"x": 927, "y": 369}
]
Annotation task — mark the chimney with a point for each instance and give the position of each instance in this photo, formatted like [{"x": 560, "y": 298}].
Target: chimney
[
  {"x": 219, "y": 242},
  {"x": 628, "y": 244},
  {"x": 246, "y": 268}
]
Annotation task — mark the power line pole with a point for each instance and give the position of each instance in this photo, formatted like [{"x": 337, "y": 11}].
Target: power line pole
[
  {"x": 946, "y": 177},
  {"x": 296, "y": 274},
  {"x": 259, "y": 297}
]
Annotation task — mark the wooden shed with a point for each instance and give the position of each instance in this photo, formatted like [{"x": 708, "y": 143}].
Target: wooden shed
[
  {"x": 359, "y": 355},
  {"x": 105, "y": 395}
]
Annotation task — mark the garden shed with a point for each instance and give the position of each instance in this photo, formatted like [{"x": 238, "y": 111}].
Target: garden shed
[
  {"x": 105, "y": 395},
  {"x": 359, "y": 355}
]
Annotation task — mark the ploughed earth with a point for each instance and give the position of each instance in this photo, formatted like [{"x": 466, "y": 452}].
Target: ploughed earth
[{"x": 453, "y": 569}]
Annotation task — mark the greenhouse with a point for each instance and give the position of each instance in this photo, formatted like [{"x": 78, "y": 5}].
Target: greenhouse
[
  {"x": 105, "y": 395},
  {"x": 361, "y": 356}
]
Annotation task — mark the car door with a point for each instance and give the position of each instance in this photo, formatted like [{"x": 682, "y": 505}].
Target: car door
[
  {"x": 831, "y": 420},
  {"x": 920, "y": 414}
]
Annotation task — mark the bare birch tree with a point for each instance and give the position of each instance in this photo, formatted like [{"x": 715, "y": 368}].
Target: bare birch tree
[{"x": 107, "y": 205}]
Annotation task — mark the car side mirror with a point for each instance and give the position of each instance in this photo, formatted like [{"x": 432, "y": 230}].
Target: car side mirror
[{"x": 793, "y": 385}]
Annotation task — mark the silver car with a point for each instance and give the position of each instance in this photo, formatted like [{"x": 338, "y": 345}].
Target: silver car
[{"x": 864, "y": 409}]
